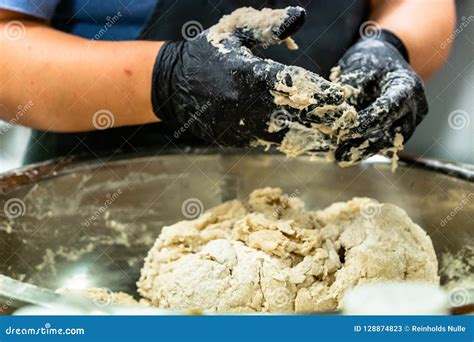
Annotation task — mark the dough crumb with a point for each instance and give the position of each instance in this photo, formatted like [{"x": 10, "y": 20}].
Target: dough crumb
[
  {"x": 457, "y": 269},
  {"x": 269, "y": 254}
]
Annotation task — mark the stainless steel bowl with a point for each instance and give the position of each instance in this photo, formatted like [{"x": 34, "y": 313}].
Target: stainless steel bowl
[{"x": 90, "y": 223}]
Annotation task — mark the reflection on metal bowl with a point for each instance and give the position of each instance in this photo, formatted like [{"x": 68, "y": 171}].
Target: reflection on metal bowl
[{"x": 91, "y": 223}]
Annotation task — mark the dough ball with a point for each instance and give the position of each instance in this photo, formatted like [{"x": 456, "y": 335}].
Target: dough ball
[{"x": 269, "y": 254}]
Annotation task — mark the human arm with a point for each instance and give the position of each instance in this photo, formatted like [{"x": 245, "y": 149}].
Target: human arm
[
  {"x": 68, "y": 79},
  {"x": 423, "y": 26}
]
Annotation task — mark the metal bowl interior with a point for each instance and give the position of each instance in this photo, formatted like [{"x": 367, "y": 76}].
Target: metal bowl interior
[{"x": 92, "y": 223}]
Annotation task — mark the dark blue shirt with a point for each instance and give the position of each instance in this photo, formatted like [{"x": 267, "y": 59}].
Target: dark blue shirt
[{"x": 93, "y": 19}]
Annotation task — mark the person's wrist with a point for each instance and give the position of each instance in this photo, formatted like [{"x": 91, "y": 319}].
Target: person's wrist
[
  {"x": 391, "y": 38},
  {"x": 161, "y": 86}
]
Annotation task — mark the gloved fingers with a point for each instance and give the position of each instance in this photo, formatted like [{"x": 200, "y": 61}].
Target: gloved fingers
[
  {"x": 360, "y": 85},
  {"x": 293, "y": 21},
  {"x": 418, "y": 104},
  {"x": 354, "y": 68},
  {"x": 249, "y": 27},
  {"x": 358, "y": 149},
  {"x": 327, "y": 115},
  {"x": 301, "y": 89},
  {"x": 271, "y": 27},
  {"x": 309, "y": 98},
  {"x": 401, "y": 93},
  {"x": 286, "y": 120}
]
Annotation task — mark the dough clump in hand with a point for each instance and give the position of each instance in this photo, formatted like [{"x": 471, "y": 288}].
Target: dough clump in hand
[
  {"x": 268, "y": 254},
  {"x": 321, "y": 126}
]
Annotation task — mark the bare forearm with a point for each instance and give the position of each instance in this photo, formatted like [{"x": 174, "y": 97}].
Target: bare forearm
[
  {"x": 423, "y": 26},
  {"x": 67, "y": 79}
]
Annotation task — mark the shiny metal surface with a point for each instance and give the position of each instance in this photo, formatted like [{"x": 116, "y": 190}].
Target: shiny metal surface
[{"x": 92, "y": 223}]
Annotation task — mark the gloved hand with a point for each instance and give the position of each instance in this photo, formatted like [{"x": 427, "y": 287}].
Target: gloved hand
[
  {"x": 386, "y": 91},
  {"x": 222, "y": 93}
]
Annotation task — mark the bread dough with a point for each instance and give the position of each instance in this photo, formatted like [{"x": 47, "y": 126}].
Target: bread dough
[
  {"x": 268, "y": 254},
  {"x": 261, "y": 22}
]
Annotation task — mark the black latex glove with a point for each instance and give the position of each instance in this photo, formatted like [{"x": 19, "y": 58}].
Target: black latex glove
[
  {"x": 223, "y": 95},
  {"x": 388, "y": 94}
]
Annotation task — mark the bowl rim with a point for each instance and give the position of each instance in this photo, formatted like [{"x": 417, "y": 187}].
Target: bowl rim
[{"x": 36, "y": 172}]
